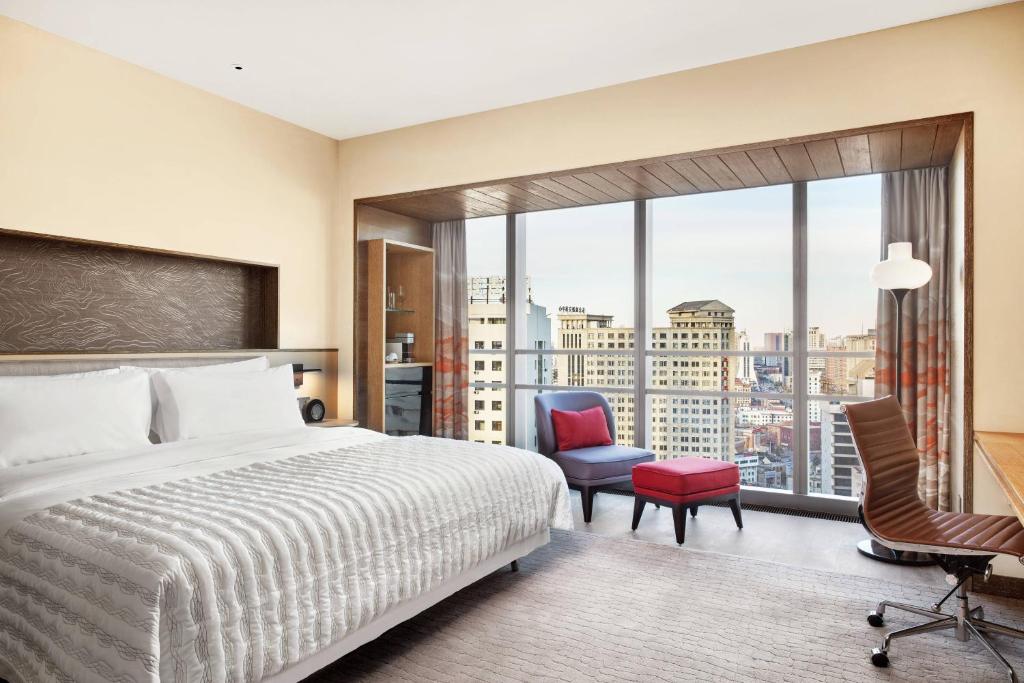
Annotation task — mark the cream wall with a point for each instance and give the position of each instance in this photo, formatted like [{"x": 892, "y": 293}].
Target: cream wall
[
  {"x": 96, "y": 148},
  {"x": 969, "y": 62}
]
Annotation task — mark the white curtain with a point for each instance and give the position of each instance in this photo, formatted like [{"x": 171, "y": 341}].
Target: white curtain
[{"x": 451, "y": 326}]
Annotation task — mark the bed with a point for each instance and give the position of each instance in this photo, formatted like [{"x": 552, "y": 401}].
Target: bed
[{"x": 261, "y": 556}]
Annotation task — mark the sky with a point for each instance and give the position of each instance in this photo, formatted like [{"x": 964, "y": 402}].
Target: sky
[{"x": 734, "y": 246}]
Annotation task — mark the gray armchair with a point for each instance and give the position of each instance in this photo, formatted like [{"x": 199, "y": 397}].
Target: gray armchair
[{"x": 585, "y": 469}]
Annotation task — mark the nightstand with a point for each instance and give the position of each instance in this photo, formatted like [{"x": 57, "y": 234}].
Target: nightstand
[{"x": 334, "y": 423}]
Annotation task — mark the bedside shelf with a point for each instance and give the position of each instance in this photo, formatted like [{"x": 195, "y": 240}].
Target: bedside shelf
[
  {"x": 408, "y": 365},
  {"x": 400, "y": 310}
]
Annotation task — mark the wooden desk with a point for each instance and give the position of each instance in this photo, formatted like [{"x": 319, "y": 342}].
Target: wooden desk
[{"x": 1003, "y": 452}]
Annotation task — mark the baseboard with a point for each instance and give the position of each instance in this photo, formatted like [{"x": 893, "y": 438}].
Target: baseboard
[{"x": 1003, "y": 586}]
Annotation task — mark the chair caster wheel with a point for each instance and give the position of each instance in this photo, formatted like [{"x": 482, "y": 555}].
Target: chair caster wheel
[
  {"x": 879, "y": 658},
  {"x": 875, "y": 619}
]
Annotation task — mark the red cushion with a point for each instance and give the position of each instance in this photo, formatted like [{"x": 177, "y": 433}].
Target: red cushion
[
  {"x": 685, "y": 476},
  {"x": 581, "y": 429},
  {"x": 670, "y": 498}
]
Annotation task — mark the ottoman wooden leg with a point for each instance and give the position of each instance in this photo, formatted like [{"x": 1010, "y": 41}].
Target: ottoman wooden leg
[
  {"x": 638, "y": 510},
  {"x": 693, "y": 510},
  {"x": 734, "y": 503},
  {"x": 679, "y": 517}
]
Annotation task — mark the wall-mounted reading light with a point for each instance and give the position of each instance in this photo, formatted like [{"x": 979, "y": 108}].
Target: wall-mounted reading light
[{"x": 298, "y": 370}]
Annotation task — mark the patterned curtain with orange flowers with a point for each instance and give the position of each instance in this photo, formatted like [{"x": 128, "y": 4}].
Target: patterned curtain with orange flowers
[
  {"x": 451, "y": 326},
  {"x": 915, "y": 210}
]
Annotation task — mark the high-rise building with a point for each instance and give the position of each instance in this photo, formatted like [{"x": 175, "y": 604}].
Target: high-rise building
[
  {"x": 840, "y": 464},
  {"x": 487, "y": 329},
  {"x": 814, "y": 387},
  {"x": 744, "y": 364},
  {"x": 779, "y": 341},
  {"x": 679, "y": 425}
]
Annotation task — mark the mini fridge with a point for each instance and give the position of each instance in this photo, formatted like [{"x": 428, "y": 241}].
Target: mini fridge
[{"x": 407, "y": 401}]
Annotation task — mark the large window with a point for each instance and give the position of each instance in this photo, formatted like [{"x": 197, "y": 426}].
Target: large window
[
  {"x": 843, "y": 243},
  {"x": 729, "y": 325},
  {"x": 721, "y": 290},
  {"x": 575, "y": 309}
]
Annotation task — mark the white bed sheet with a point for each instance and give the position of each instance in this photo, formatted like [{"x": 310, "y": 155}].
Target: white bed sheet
[{"x": 254, "y": 556}]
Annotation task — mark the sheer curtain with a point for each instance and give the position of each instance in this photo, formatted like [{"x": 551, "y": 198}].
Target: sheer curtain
[
  {"x": 915, "y": 210},
  {"x": 451, "y": 325}
]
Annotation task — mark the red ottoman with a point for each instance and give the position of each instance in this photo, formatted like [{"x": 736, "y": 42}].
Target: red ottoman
[{"x": 683, "y": 483}]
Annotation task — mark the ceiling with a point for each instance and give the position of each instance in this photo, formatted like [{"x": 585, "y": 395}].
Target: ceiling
[
  {"x": 352, "y": 67},
  {"x": 874, "y": 149}
]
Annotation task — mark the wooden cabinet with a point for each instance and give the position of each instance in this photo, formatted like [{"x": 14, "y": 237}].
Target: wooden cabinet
[{"x": 408, "y": 268}]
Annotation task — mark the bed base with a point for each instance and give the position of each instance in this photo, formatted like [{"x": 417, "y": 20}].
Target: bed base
[{"x": 407, "y": 610}]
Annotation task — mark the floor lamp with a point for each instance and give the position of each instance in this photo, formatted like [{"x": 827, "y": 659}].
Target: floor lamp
[{"x": 899, "y": 273}]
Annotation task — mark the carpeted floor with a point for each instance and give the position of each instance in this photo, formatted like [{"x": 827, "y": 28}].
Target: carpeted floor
[{"x": 589, "y": 608}]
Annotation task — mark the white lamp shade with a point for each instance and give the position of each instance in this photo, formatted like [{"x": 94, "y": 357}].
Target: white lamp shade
[{"x": 900, "y": 270}]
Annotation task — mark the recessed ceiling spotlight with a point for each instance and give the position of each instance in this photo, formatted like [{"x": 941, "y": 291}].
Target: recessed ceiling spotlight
[{"x": 236, "y": 67}]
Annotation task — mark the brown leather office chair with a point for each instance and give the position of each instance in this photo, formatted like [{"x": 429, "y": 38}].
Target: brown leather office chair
[{"x": 963, "y": 544}]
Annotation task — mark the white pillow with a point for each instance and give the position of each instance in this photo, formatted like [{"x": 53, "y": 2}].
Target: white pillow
[
  {"x": 48, "y": 417},
  {"x": 167, "y": 412},
  {"x": 207, "y": 404}
]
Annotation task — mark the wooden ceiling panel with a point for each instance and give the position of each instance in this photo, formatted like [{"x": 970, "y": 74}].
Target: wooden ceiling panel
[
  {"x": 797, "y": 161},
  {"x": 529, "y": 198},
  {"x": 604, "y": 185},
  {"x": 946, "y": 136},
  {"x": 916, "y": 150},
  {"x": 770, "y": 165},
  {"x": 480, "y": 202},
  {"x": 569, "y": 193},
  {"x": 631, "y": 187},
  {"x": 825, "y": 158},
  {"x": 719, "y": 172},
  {"x": 534, "y": 187},
  {"x": 855, "y": 154},
  {"x": 872, "y": 149},
  {"x": 648, "y": 180},
  {"x": 743, "y": 168},
  {"x": 670, "y": 177},
  {"x": 515, "y": 203},
  {"x": 885, "y": 150},
  {"x": 694, "y": 175}
]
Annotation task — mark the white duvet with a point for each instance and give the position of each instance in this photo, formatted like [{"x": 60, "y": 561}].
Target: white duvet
[{"x": 233, "y": 558}]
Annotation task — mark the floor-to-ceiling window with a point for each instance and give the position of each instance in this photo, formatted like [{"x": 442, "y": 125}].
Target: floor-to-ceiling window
[
  {"x": 720, "y": 379},
  {"x": 575, "y": 309},
  {"x": 757, "y": 314},
  {"x": 843, "y": 243}
]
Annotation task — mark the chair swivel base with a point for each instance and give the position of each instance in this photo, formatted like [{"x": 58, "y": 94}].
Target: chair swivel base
[
  {"x": 968, "y": 622},
  {"x": 869, "y": 547}
]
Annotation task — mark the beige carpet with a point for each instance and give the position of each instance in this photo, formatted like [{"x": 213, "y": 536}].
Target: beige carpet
[{"x": 590, "y": 608}]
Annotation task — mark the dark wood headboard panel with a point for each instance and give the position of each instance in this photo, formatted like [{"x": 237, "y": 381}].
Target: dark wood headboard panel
[{"x": 60, "y": 295}]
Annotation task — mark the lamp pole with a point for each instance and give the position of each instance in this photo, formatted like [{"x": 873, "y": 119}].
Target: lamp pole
[{"x": 897, "y": 296}]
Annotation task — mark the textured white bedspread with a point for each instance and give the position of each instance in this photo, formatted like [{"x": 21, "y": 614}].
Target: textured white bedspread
[{"x": 231, "y": 559}]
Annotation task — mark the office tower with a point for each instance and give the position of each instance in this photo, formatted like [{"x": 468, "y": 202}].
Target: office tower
[
  {"x": 679, "y": 425},
  {"x": 487, "y": 329}
]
